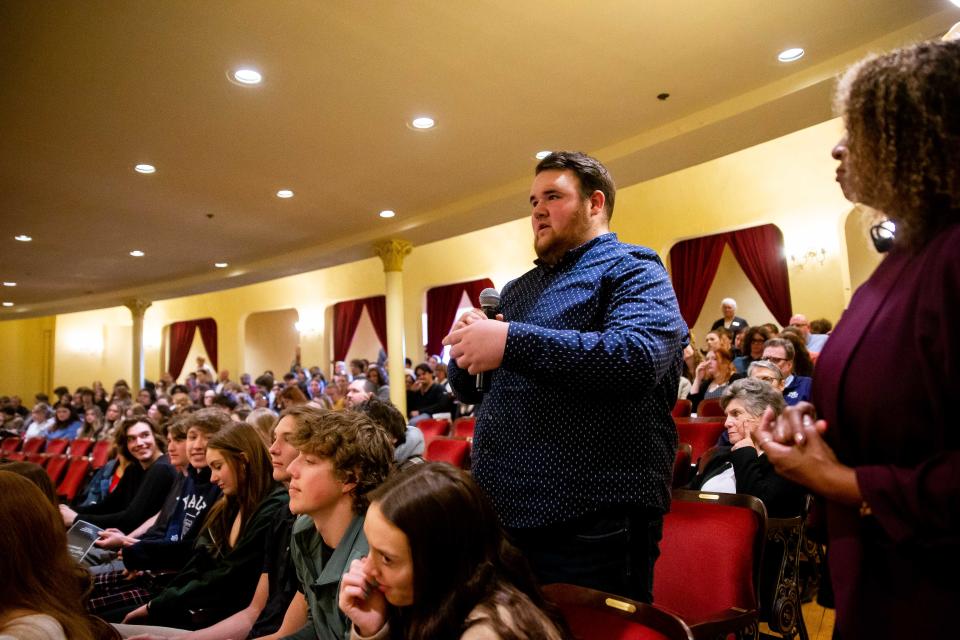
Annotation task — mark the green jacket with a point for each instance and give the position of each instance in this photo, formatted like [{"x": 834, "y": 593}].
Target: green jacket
[
  {"x": 219, "y": 583},
  {"x": 321, "y": 583}
]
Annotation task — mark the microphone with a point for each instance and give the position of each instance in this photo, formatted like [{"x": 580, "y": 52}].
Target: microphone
[{"x": 490, "y": 305}]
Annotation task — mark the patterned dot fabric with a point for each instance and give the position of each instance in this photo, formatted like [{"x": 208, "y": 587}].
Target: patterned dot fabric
[{"x": 578, "y": 415}]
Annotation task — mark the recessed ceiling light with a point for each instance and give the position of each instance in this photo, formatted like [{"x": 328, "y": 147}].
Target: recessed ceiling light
[
  {"x": 8, "y": 304},
  {"x": 145, "y": 168},
  {"x": 221, "y": 265},
  {"x": 247, "y": 76},
  {"x": 790, "y": 55},
  {"x": 386, "y": 213},
  {"x": 284, "y": 193},
  {"x": 136, "y": 253},
  {"x": 540, "y": 155},
  {"x": 9, "y": 284},
  {"x": 423, "y": 122},
  {"x": 22, "y": 238}
]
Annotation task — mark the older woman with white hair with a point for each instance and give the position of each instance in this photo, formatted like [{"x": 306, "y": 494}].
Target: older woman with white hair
[{"x": 741, "y": 467}]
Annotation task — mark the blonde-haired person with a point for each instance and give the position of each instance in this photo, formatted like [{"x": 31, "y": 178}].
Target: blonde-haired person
[{"x": 884, "y": 455}]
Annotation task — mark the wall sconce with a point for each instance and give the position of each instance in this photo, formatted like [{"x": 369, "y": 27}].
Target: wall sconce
[
  {"x": 809, "y": 257},
  {"x": 310, "y": 322}
]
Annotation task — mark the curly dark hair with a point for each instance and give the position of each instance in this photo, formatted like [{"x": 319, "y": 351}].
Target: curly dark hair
[
  {"x": 360, "y": 450},
  {"x": 902, "y": 114}
]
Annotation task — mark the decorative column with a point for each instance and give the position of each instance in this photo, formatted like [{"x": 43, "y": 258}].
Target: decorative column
[
  {"x": 392, "y": 252},
  {"x": 137, "y": 309}
]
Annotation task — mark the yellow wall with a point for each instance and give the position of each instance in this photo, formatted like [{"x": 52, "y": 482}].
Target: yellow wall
[
  {"x": 27, "y": 348},
  {"x": 788, "y": 182}
]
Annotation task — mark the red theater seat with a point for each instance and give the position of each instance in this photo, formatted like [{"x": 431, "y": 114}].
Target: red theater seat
[
  {"x": 708, "y": 570},
  {"x": 596, "y": 615},
  {"x": 100, "y": 453},
  {"x": 432, "y": 428},
  {"x": 700, "y": 435},
  {"x": 710, "y": 408},
  {"x": 682, "y": 408},
  {"x": 456, "y": 451},
  {"x": 75, "y": 479},
  {"x": 464, "y": 427},
  {"x": 80, "y": 447}
]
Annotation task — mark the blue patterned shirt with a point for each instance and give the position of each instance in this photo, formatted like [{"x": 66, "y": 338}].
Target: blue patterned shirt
[{"x": 578, "y": 414}]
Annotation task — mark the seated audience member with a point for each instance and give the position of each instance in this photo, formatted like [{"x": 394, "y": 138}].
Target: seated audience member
[
  {"x": 111, "y": 419},
  {"x": 407, "y": 440},
  {"x": 712, "y": 376},
  {"x": 803, "y": 360},
  {"x": 35, "y": 474},
  {"x": 264, "y": 420},
  {"x": 743, "y": 468},
  {"x": 165, "y": 542},
  {"x": 427, "y": 397},
  {"x": 105, "y": 479},
  {"x": 42, "y": 588},
  {"x": 358, "y": 369},
  {"x": 780, "y": 352},
  {"x": 440, "y": 373},
  {"x": 222, "y": 574},
  {"x": 753, "y": 341},
  {"x": 813, "y": 341},
  {"x": 821, "y": 326},
  {"x": 93, "y": 424},
  {"x": 278, "y": 579},
  {"x": 439, "y": 566},
  {"x": 719, "y": 339},
  {"x": 143, "y": 487},
  {"x": 767, "y": 372},
  {"x": 730, "y": 320},
  {"x": 289, "y": 397},
  {"x": 335, "y": 395},
  {"x": 358, "y": 391},
  {"x": 160, "y": 413},
  {"x": 40, "y": 421},
  {"x": 378, "y": 377},
  {"x": 10, "y": 422},
  {"x": 343, "y": 456}
]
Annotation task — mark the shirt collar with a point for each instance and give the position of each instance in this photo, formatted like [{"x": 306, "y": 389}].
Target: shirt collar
[{"x": 573, "y": 255}]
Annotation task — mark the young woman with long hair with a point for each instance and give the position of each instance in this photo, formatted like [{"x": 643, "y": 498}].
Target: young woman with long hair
[
  {"x": 222, "y": 575},
  {"x": 43, "y": 588},
  {"x": 439, "y": 566}
]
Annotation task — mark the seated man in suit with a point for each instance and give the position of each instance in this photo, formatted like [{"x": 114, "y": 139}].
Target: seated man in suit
[{"x": 781, "y": 353}]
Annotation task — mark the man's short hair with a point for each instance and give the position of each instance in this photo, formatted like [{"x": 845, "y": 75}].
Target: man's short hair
[
  {"x": 593, "y": 176},
  {"x": 359, "y": 364},
  {"x": 367, "y": 385},
  {"x": 387, "y": 416},
  {"x": 360, "y": 450},
  {"x": 820, "y": 325},
  {"x": 224, "y": 400},
  {"x": 207, "y": 420},
  {"x": 782, "y": 342},
  {"x": 177, "y": 429},
  {"x": 765, "y": 364}
]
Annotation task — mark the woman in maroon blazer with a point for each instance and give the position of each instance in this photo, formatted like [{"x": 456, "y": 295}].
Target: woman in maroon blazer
[{"x": 885, "y": 455}]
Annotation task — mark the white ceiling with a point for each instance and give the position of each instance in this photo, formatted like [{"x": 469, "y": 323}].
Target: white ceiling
[{"x": 92, "y": 88}]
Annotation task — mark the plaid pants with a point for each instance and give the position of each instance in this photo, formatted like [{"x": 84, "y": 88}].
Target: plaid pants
[{"x": 113, "y": 590}]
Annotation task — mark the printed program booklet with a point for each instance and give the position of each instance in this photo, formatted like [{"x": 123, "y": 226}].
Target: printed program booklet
[{"x": 80, "y": 539}]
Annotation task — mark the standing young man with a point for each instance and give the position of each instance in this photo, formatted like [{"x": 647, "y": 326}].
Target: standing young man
[
  {"x": 343, "y": 456},
  {"x": 580, "y": 480}
]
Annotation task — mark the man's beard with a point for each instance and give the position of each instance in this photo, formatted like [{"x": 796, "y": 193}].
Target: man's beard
[{"x": 575, "y": 236}]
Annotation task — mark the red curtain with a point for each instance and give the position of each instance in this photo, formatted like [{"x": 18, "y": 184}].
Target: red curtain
[
  {"x": 208, "y": 334},
  {"x": 181, "y": 337},
  {"x": 759, "y": 250},
  {"x": 442, "y": 305},
  {"x": 346, "y": 317},
  {"x": 377, "y": 308},
  {"x": 693, "y": 266}
]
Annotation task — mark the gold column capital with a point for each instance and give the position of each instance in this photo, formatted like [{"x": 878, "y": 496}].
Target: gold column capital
[
  {"x": 392, "y": 252},
  {"x": 137, "y": 306}
]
